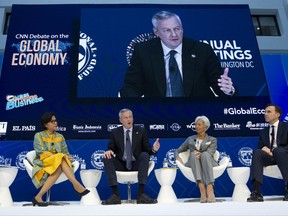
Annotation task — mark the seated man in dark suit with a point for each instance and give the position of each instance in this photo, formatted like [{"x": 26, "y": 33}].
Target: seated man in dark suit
[
  {"x": 173, "y": 66},
  {"x": 128, "y": 150},
  {"x": 272, "y": 149}
]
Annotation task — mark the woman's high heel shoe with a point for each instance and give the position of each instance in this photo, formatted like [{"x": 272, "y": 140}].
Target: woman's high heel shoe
[
  {"x": 86, "y": 191},
  {"x": 41, "y": 204}
]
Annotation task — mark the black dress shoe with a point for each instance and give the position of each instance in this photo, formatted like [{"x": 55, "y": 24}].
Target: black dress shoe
[
  {"x": 144, "y": 199},
  {"x": 255, "y": 197},
  {"x": 86, "y": 191},
  {"x": 113, "y": 200},
  {"x": 41, "y": 204}
]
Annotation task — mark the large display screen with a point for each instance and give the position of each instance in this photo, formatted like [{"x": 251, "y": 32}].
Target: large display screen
[
  {"x": 74, "y": 64},
  {"x": 107, "y": 46}
]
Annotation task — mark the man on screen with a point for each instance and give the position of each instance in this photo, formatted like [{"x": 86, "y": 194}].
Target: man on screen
[{"x": 173, "y": 66}]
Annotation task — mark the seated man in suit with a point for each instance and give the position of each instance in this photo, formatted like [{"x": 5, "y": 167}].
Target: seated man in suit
[
  {"x": 272, "y": 149},
  {"x": 173, "y": 66},
  {"x": 128, "y": 150}
]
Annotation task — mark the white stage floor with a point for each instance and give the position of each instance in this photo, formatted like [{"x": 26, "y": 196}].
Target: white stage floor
[{"x": 271, "y": 206}]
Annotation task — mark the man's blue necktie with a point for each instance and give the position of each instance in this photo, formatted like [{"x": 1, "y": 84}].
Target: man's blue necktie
[
  {"x": 175, "y": 76},
  {"x": 128, "y": 151}
]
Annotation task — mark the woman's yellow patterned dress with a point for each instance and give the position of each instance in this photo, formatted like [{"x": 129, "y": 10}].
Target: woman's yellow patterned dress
[{"x": 50, "y": 149}]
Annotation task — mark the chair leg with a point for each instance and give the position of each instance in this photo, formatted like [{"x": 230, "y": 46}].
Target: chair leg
[
  {"x": 129, "y": 199},
  {"x": 129, "y": 192},
  {"x": 48, "y": 195}
]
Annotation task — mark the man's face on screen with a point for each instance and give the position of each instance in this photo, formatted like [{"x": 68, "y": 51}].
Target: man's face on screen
[{"x": 170, "y": 32}]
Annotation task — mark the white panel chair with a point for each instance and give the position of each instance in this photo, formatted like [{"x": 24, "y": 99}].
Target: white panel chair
[
  {"x": 272, "y": 171},
  {"x": 131, "y": 177},
  {"x": 187, "y": 172},
  {"x": 28, "y": 162}
]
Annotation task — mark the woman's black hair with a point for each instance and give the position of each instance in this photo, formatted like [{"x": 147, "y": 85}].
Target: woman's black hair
[{"x": 45, "y": 118}]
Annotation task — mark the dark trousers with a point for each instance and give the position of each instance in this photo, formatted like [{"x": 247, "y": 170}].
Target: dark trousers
[
  {"x": 114, "y": 164},
  {"x": 260, "y": 159}
]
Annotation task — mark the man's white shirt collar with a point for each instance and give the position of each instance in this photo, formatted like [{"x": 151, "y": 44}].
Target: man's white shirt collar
[
  {"x": 275, "y": 124},
  {"x": 166, "y": 50},
  {"x": 125, "y": 129}
]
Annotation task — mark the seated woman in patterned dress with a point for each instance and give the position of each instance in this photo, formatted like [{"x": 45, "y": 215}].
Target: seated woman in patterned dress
[{"x": 52, "y": 158}]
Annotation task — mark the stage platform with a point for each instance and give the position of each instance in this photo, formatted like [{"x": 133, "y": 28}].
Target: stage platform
[{"x": 273, "y": 205}]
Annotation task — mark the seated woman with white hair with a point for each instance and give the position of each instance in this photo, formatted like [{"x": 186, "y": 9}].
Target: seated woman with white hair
[{"x": 202, "y": 148}]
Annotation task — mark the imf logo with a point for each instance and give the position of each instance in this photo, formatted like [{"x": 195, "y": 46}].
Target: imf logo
[
  {"x": 245, "y": 156},
  {"x": 87, "y": 56},
  {"x": 171, "y": 159},
  {"x": 19, "y": 160},
  {"x": 97, "y": 159},
  {"x": 153, "y": 158}
]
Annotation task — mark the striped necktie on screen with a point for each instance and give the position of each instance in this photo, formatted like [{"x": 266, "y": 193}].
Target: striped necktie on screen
[{"x": 175, "y": 76}]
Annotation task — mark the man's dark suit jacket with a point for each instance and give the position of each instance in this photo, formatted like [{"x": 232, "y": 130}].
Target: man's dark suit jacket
[
  {"x": 281, "y": 139},
  {"x": 140, "y": 142},
  {"x": 146, "y": 74}
]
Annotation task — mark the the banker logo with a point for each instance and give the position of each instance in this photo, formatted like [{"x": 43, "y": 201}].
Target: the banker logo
[
  {"x": 245, "y": 156},
  {"x": 191, "y": 126},
  {"x": 19, "y": 160},
  {"x": 3, "y": 128},
  {"x": 97, "y": 159},
  {"x": 87, "y": 56},
  {"x": 138, "y": 39},
  {"x": 226, "y": 126},
  {"x": 175, "y": 127}
]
